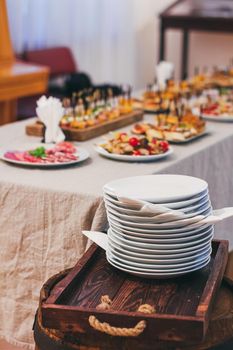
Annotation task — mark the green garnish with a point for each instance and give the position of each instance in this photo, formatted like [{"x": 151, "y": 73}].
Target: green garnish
[
  {"x": 182, "y": 125},
  {"x": 38, "y": 152}
]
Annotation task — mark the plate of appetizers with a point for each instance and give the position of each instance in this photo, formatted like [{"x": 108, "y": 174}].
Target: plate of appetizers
[
  {"x": 44, "y": 155},
  {"x": 126, "y": 147},
  {"x": 220, "y": 110},
  {"x": 173, "y": 129},
  {"x": 152, "y": 102},
  {"x": 218, "y": 118}
]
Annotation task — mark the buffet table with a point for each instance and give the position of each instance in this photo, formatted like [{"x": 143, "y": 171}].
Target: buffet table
[{"x": 44, "y": 211}]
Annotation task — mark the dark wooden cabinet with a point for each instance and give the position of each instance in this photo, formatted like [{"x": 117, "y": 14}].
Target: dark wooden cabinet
[{"x": 189, "y": 15}]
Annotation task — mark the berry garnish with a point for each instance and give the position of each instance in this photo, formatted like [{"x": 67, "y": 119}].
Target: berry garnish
[
  {"x": 136, "y": 153},
  {"x": 164, "y": 145},
  {"x": 134, "y": 142}
]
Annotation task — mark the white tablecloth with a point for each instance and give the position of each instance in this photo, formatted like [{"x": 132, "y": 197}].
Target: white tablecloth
[{"x": 42, "y": 213}]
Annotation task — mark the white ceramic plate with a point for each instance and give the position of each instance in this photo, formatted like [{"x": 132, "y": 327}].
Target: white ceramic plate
[
  {"x": 81, "y": 153},
  {"x": 190, "y": 139},
  {"x": 190, "y": 258},
  {"x": 157, "y": 188},
  {"x": 153, "y": 231},
  {"x": 157, "y": 234},
  {"x": 161, "y": 254},
  {"x": 172, "y": 224},
  {"x": 159, "y": 275},
  {"x": 162, "y": 218},
  {"x": 134, "y": 212},
  {"x": 176, "y": 249},
  {"x": 150, "y": 247},
  {"x": 128, "y": 158},
  {"x": 219, "y": 118},
  {"x": 162, "y": 240},
  {"x": 144, "y": 267},
  {"x": 173, "y": 205}
]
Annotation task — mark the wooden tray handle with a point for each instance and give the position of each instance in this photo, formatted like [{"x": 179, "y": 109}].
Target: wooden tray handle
[{"x": 117, "y": 331}]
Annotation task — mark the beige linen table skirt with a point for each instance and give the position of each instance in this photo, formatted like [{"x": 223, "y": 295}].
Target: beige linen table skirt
[{"x": 41, "y": 236}]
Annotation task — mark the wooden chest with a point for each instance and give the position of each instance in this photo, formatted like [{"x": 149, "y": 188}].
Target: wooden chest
[{"x": 180, "y": 308}]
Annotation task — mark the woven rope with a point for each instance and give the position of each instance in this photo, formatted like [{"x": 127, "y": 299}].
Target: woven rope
[
  {"x": 146, "y": 308},
  {"x": 118, "y": 331},
  {"x": 105, "y": 303}
]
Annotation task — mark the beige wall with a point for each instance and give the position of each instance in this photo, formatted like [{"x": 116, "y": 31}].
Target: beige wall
[{"x": 205, "y": 48}]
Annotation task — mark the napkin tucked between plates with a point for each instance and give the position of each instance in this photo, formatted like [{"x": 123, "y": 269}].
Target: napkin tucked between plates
[
  {"x": 100, "y": 238},
  {"x": 50, "y": 111}
]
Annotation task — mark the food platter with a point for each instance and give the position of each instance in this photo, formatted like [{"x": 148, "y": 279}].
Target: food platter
[
  {"x": 190, "y": 139},
  {"x": 218, "y": 118},
  {"x": 177, "y": 133},
  {"x": 219, "y": 108},
  {"x": 74, "y": 134},
  {"x": 124, "y": 146},
  {"x": 14, "y": 155},
  {"x": 129, "y": 158}
]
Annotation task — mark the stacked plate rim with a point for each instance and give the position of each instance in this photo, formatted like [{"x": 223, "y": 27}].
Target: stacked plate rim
[{"x": 152, "y": 245}]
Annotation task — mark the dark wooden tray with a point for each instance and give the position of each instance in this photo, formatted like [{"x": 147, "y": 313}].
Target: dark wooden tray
[
  {"x": 73, "y": 134},
  {"x": 182, "y": 305}
]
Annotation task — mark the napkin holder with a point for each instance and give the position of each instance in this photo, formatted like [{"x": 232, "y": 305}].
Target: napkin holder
[{"x": 181, "y": 307}]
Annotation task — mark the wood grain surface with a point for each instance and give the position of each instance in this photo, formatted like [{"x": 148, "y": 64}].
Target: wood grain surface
[
  {"x": 73, "y": 134},
  {"x": 182, "y": 305},
  {"x": 219, "y": 334}
]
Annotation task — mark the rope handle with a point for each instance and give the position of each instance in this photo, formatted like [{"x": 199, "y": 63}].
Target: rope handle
[
  {"x": 105, "y": 327},
  {"x": 117, "y": 331}
]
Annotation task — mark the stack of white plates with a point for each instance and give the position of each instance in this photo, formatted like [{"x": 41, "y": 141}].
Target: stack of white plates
[{"x": 161, "y": 245}]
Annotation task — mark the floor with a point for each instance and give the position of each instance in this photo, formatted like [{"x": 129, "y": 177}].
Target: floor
[{"x": 6, "y": 346}]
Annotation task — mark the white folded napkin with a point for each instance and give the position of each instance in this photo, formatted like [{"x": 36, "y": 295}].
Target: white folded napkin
[
  {"x": 50, "y": 111},
  {"x": 100, "y": 238},
  {"x": 164, "y": 71},
  {"x": 149, "y": 208}
]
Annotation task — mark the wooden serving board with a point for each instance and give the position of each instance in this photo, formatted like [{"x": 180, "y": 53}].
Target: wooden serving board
[
  {"x": 182, "y": 305},
  {"x": 73, "y": 134}
]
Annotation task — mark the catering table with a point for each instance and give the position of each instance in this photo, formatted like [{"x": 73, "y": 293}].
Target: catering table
[{"x": 42, "y": 213}]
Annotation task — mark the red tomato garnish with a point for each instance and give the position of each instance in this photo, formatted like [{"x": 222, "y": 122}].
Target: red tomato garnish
[
  {"x": 164, "y": 145},
  {"x": 136, "y": 153},
  {"x": 134, "y": 142},
  {"x": 154, "y": 141}
]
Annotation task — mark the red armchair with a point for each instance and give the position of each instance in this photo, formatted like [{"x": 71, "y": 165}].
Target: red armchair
[
  {"x": 59, "y": 59},
  {"x": 61, "y": 63}
]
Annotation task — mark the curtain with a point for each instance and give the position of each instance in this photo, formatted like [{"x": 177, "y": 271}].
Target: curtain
[
  {"x": 112, "y": 40},
  {"x": 98, "y": 31}
]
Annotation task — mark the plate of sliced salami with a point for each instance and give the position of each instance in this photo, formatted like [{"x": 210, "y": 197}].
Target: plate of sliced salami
[{"x": 44, "y": 155}]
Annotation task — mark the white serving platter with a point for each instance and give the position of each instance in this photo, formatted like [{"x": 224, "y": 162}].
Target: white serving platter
[
  {"x": 218, "y": 118},
  {"x": 129, "y": 158},
  {"x": 81, "y": 153}
]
